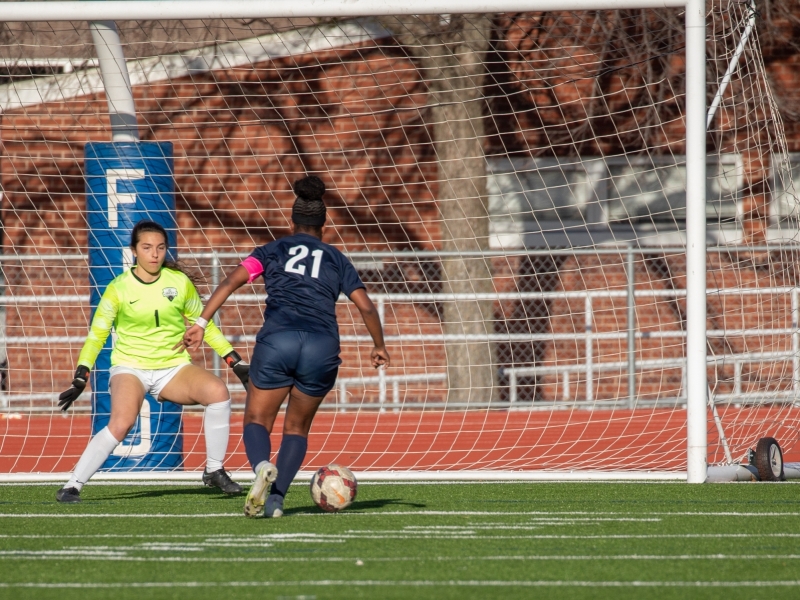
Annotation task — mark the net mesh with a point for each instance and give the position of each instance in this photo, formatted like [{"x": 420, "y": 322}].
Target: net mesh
[{"x": 510, "y": 187}]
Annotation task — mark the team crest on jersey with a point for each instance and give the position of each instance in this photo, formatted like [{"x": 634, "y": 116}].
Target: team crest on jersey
[{"x": 170, "y": 293}]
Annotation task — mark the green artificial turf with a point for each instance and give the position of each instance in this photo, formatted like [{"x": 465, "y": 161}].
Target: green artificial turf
[{"x": 507, "y": 540}]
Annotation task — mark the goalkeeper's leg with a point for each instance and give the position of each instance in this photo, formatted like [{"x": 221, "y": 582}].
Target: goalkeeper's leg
[
  {"x": 127, "y": 395},
  {"x": 193, "y": 385}
]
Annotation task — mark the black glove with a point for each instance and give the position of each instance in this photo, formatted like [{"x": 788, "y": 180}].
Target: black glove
[
  {"x": 65, "y": 399},
  {"x": 240, "y": 368}
]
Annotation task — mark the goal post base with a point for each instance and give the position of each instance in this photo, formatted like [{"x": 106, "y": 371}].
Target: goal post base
[{"x": 731, "y": 473}]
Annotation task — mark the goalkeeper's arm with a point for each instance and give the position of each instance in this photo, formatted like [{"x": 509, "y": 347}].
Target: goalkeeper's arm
[
  {"x": 102, "y": 322},
  {"x": 65, "y": 399}
]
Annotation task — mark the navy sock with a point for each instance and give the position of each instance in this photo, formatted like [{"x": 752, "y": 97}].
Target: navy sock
[
  {"x": 290, "y": 458},
  {"x": 256, "y": 444}
]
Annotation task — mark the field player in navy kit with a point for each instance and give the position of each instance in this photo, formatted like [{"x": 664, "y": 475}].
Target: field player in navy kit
[{"x": 297, "y": 349}]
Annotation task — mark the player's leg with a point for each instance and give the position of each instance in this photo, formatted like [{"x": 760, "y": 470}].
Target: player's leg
[
  {"x": 259, "y": 417},
  {"x": 315, "y": 375},
  {"x": 272, "y": 366},
  {"x": 193, "y": 385},
  {"x": 300, "y": 413},
  {"x": 127, "y": 395}
]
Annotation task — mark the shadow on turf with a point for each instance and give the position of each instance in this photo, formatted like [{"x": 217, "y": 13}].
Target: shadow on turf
[
  {"x": 365, "y": 505},
  {"x": 209, "y": 493}
]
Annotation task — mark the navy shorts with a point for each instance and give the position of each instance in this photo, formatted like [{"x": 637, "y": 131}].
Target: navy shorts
[{"x": 309, "y": 361}]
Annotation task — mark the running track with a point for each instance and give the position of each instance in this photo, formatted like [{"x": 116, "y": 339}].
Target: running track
[{"x": 452, "y": 440}]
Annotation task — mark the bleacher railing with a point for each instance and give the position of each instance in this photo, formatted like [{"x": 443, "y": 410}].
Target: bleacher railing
[{"x": 589, "y": 368}]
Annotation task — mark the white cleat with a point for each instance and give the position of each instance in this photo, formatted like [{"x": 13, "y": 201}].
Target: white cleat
[
  {"x": 274, "y": 507},
  {"x": 266, "y": 473}
]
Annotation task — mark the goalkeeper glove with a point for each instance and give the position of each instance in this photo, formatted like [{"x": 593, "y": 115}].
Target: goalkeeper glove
[
  {"x": 65, "y": 399},
  {"x": 240, "y": 368}
]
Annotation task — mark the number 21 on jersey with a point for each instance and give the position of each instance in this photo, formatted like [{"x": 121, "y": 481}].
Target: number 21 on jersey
[{"x": 299, "y": 253}]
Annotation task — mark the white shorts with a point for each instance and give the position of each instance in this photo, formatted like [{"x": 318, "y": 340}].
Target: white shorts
[{"x": 153, "y": 380}]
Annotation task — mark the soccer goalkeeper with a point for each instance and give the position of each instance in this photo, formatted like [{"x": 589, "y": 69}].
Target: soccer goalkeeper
[{"x": 147, "y": 305}]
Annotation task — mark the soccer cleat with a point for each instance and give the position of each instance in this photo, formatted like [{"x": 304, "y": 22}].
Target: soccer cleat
[
  {"x": 221, "y": 480},
  {"x": 265, "y": 475},
  {"x": 274, "y": 507},
  {"x": 68, "y": 495}
]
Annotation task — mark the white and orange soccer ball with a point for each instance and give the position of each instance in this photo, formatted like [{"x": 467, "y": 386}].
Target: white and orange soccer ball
[{"x": 333, "y": 488}]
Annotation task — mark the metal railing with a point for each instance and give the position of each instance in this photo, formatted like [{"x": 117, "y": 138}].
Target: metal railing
[{"x": 588, "y": 338}]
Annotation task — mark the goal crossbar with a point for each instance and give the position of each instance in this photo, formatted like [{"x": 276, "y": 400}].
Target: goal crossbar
[{"x": 257, "y": 9}]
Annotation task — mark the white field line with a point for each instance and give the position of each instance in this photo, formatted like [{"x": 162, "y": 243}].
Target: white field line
[
  {"x": 404, "y": 583},
  {"x": 266, "y": 537},
  {"x": 97, "y": 554},
  {"x": 404, "y": 513},
  {"x": 339, "y": 538},
  {"x": 119, "y": 516}
]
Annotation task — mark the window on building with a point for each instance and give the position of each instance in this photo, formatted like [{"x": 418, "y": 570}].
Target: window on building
[{"x": 546, "y": 193}]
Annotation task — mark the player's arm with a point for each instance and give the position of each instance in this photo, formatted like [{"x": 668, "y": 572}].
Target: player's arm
[
  {"x": 372, "y": 320},
  {"x": 196, "y": 333},
  {"x": 102, "y": 322},
  {"x": 193, "y": 308}
]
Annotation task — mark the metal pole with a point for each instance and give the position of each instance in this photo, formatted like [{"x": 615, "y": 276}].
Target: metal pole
[
  {"x": 751, "y": 23},
  {"x": 382, "y": 370},
  {"x": 795, "y": 347},
  {"x": 631, "y": 297},
  {"x": 215, "y": 269},
  {"x": 3, "y": 345},
  {"x": 589, "y": 348},
  {"x": 512, "y": 386},
  {"x": 342, "y": 396},
  {"x": 697, "y": 378},
  {"x": 720, "y": 430},
  {"x": 116, "y": 81}
]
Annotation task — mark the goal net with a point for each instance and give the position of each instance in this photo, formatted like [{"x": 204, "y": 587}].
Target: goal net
[{"x": 511, "y": 189}]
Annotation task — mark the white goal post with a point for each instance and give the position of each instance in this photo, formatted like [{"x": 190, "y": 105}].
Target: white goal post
[{"x": 695, "y": 115}]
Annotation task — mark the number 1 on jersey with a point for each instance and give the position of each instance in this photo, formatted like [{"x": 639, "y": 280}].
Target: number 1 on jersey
[
  {"x": 317, "y": 254},
  {"x": 299, "y": 253}
]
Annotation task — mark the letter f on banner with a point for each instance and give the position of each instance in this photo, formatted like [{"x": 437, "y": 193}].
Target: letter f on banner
[{"x": 116, "y": 198}]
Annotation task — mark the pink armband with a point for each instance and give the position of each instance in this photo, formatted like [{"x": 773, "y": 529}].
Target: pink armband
[{"x": 253, "y": 267}]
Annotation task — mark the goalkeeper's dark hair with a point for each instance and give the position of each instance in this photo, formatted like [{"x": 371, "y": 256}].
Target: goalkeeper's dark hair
[
  {"x": 309, "y": 212},
  {"x": 146, "y": 226}
]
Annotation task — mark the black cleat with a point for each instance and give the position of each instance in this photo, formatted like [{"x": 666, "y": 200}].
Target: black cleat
[
  {"x": 68, "y": 495},
  {"x": 221, "y": 480}
]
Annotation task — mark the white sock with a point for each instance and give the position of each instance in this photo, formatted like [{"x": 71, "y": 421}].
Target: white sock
[
  {"x": 96, "y": 453},
  {"x": 217, "y": 427}
]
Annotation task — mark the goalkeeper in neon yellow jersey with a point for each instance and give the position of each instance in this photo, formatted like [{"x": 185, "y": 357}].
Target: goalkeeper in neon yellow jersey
[{"x": 146, "y": 306}]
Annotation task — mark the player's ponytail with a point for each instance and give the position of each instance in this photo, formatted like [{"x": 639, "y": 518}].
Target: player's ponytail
[
  {"x": 309, "y": 209},
  {"x": 146, "y": 226}
]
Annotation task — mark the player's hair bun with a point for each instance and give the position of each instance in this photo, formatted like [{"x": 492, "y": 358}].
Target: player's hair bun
[
  {"x": 310, "y": 188},
  {"x": 309, "y": 209}
]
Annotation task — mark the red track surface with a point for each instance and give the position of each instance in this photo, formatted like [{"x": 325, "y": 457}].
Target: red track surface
[{"x": 367, "y": 440}]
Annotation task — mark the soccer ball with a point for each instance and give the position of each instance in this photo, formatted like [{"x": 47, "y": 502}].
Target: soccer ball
[{"x": 333, "y": 488}]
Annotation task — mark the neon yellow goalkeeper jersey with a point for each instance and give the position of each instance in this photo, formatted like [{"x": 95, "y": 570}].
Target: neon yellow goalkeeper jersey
[{"x": 148, "y": 320}]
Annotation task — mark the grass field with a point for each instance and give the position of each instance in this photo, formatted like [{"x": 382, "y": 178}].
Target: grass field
[{"x": 510, "y": 540}]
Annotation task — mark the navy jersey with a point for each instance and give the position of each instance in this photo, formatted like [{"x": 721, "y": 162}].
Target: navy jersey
[{"x": 303, "y": 277}]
